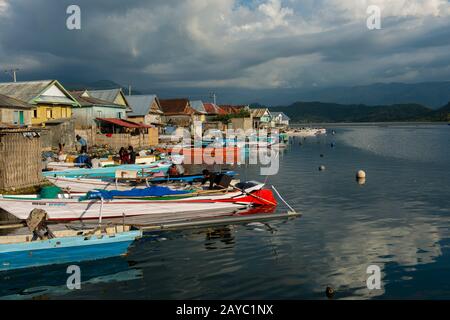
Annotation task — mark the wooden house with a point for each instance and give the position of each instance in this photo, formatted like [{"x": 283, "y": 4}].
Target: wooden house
[
  {"x": 15, "y": 112},
  {"x": 178, "y": 112},
  {"x": 261, "y": 118},
  {"x": 145, "y": 109},
  {"x": 280, "y": 119},
  {"x": 198, "y": 106},
  {"x": 115, "y": 96},
  {"x": 91, "y": 108},
  {"x": 49, "y": 99}
]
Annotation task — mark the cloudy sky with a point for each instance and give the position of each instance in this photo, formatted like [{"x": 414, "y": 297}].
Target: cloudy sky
[{"x": 220, "y": 44}]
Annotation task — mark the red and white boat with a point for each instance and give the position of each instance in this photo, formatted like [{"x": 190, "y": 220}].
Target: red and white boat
[{"x": 75, "y": 207}]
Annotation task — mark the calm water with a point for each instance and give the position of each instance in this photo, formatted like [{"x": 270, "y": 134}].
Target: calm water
[{"x": 399, "y": 219}]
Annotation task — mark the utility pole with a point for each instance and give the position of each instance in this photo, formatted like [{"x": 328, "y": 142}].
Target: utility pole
[
  {"x": 12, "y": 72},
  {"x": 213, "y": 95}
]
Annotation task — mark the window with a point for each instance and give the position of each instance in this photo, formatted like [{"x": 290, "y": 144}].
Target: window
[
  {"x": 49, "y": 113},
  {"x": 16, "y": 117},
  {"x": 119, "y": 115},
  {"x": 35, "y": 113}
]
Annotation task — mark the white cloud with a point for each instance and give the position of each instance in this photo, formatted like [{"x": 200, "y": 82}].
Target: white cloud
[{"x": 3, "y": 6}]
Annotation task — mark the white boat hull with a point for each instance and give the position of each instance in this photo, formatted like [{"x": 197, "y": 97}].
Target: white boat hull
[{"x": 72, "y": 209}]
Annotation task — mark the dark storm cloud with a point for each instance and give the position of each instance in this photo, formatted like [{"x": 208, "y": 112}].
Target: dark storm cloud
[{"x": 157, "y": 44}]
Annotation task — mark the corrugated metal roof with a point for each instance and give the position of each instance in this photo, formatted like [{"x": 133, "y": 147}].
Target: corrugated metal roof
[
  {"x": 25, "y": 91},
  {"x": 141, "y": 104},
  {"x": 198, "y": 106},
  {"x": 31, "y": 90},
  {"x": 176, "y": 107},
  {"x": 87, "y": 101},
  {"x": 259, "y": 112},
  {"x": 107, "y": 95},
  {"x": 284, "y": 117},
  {"x": 8, "y": 102}
]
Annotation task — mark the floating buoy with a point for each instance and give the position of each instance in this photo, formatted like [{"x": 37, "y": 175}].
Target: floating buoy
[
  {"x": 361, "y": 177},
  {"x": 329, "y": 291},
  {"x": 361, "y": 174},
  {"x": 321, "y": 168},
  {"x": 321, "y": 155}
]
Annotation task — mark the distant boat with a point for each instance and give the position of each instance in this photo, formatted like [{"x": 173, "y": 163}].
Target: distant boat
[{"x": 18, "y": 252}]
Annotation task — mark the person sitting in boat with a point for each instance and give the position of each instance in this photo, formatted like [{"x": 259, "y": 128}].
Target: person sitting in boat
[
  {"x": 132, "y": 155},
  {"x": 216, "y": 181},
  {"x": 173, "y": 171}
]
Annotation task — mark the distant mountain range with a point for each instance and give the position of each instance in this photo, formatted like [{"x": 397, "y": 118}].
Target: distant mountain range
[
  {"x": 333, "y": 112},
  {"x": 429, "y": 94},
  {"x": 371, "y": 103}
]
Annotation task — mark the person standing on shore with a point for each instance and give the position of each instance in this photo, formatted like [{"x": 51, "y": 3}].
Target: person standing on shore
[
  {"x": 132, "y": 155},
  {"x": 83, "y": 144},
  {"x": 124, "y": 156}
]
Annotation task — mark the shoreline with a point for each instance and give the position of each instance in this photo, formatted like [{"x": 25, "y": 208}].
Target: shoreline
[{"x": 373, "y": 124}]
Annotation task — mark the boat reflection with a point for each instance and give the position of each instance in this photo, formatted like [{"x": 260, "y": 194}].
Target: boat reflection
[{"x": 51, "y": 281}]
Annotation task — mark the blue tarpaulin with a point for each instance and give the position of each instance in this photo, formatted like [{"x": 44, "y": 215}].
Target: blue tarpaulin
[{"x": 153, "y": 191}]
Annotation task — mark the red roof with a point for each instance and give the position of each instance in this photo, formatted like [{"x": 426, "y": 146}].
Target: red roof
[
  {"x": 231, "y": 109},
  {"x": 176, "y": 107},
  {"x": 124, "y": 123}
]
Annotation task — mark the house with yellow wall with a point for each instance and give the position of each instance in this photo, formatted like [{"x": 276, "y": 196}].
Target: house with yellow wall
[{"x": 49, "y": 99}]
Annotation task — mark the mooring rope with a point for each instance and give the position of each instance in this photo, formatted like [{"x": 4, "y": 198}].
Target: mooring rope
[{"x": 285, "y": 202}]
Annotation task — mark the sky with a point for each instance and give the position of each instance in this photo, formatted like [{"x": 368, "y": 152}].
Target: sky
[{"x": 227, "y": 45}]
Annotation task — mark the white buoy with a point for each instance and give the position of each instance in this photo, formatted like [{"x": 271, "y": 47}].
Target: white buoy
[
  {"x": 321, "y": 168},
  {"x": 361, "y": 174}
]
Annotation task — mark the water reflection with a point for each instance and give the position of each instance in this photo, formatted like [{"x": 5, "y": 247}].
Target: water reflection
[{"x": 50, "y": 281}]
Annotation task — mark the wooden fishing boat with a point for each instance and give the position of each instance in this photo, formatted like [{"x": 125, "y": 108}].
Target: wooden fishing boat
[
  {"x": 83, "y": 185},
  {"x": 18, "y": 251},
  {"x": 100, "y": 204},
  {"x": 110, "y": 172}
]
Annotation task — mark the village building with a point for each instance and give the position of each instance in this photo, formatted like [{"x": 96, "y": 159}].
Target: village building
[
  {"x": 145, "y": 109},
  {"x": 178, "y": 112},
  {"x": 117, "y": 133},
  {"x": 15, "y": 112},
  {"x": 261, "y": 118},
  {"x": 115, "y": 96},
  {"x": 49, "y": 99},
  {"x": 280, "y": 119},
  {"x": 240, "y": 116},
  {"x": 198, "y": 106},
  {"x": 92, "y": 108}
]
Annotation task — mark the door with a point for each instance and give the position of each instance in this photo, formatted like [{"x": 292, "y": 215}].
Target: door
[{"x": 21, "y": 118}]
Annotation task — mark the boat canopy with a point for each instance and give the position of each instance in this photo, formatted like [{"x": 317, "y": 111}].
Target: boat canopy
[{"x": 153, "y": 191}]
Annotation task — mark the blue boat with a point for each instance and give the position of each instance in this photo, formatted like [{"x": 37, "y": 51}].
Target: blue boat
[
  {"x": 25, "y": 254},
  {"x": 108, "y": 172}
]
